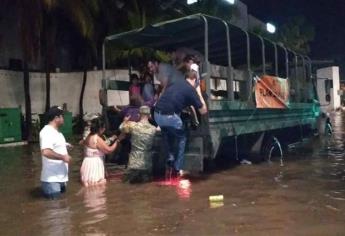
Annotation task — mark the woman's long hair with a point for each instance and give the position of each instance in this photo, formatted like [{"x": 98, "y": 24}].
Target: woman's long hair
[{"x": 96, "y": 125}]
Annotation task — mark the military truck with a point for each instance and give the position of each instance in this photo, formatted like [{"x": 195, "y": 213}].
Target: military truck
[{"x": 235, "y": 64}]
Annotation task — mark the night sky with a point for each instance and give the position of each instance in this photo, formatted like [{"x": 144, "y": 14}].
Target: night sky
[{"x": 327, "y": 16}]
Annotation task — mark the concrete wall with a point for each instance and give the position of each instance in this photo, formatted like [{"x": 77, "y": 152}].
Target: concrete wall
[
  {"x": 65, "y": 88},
  {"x": 331, "y": 73}
]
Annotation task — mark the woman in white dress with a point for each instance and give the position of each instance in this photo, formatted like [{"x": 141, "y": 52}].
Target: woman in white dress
[{"x": 92, "y": 169}]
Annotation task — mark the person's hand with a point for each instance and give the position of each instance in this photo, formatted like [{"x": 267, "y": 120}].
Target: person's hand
[
  {"x": 67, "y": 158},
  {"x": 127, "y": 118},
  {"x": 117, "y": 109},
  {"x": 69, "y": 146},
  {"x": 121, "y": 137},
  {"x": 112, "y": 138}
]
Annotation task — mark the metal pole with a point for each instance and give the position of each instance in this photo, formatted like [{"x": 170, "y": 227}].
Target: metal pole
[
  {"x": 249, "y": 81},
  {"x": 103, "y": 59},
  {"x": 129, "y": 64},
  {"x": 296, "y": 64},
  {"x": 305, "y": 96},
  {"x": 208, "y": 82},
  {"x": 296, "y": 79},
  {"x": 303, "y": 64},
  {"x": 286, "y": 61},
  {"x": 276, "y": 59},
  {"x": 248, "y": 51},
  {"x": 229, "y": 82},
  {"x": 263, "y": 55},
  {"x": 309, "y": 66}
]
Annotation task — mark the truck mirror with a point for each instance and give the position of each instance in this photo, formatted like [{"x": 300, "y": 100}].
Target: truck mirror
[{"x": 328, "y": 98}]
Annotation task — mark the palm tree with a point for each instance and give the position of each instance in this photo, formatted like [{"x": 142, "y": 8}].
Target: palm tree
[
  {"x": 49, "y": 28},
  {"x": 84, "y": 16},
  {"x": 30, "y": 22},
  {"x": 140, "y": 14}
]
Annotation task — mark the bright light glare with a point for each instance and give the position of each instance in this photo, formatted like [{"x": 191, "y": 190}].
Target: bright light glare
[
  {"x": 232, "y": 2},
  {"x": 270, "y": 28},
  {"x": 191, "y": 1}
]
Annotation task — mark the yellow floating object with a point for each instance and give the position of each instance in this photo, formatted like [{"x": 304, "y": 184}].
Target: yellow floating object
[
  {"x": 216, "y": 198},
  {"x": 216, "y": 204}
]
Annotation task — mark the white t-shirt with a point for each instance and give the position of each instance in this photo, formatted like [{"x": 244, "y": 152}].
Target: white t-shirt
[{"x": 53, "y": 170}]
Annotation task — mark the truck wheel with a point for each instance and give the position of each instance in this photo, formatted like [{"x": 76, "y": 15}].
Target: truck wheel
[
  {"x": 328, "y": 129},
  {"x": 272, "y": 150}
]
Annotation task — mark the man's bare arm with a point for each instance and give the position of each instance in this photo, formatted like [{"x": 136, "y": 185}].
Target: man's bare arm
[
  {"x": 203, "y": 109},
  {"x": 50, "y": 154}
]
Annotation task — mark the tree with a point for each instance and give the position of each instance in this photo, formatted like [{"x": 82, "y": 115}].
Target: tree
[
  {"x": 49, "y": 27},
  {"x": 30, "y": 23},
  {"x": 296, "y": 34},
  {"x": 139, "y": 14},
  {"x": 84, "y": 16}
]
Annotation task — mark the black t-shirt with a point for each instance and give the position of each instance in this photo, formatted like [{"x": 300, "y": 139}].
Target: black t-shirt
[{"x": 177, "y": 96}]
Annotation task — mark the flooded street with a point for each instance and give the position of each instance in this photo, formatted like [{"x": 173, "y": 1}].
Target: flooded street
[{"x": 304, "y": 197}]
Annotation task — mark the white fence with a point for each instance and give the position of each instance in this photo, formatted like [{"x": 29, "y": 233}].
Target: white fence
[{"x": 65, "y": 88}]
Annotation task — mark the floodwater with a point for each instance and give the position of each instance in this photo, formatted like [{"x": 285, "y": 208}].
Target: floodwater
[{"x": 304, "y": 197}]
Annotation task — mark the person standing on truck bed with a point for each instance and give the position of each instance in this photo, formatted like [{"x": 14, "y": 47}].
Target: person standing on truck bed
[
  {"x": 178, "y": 95},
  {"x": 163, "y": 74}
]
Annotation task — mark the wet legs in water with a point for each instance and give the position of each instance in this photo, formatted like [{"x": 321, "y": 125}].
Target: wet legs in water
[
  {"x": 168, "y": 142},
  {"x": 174, "y": 142}
]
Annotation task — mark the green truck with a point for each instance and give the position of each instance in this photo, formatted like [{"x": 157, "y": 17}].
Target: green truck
[{"x": 235, "y": 126}]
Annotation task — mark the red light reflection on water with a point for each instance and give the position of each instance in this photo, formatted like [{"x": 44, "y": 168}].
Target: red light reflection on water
[
  {"x": 184, "y": 189},
  {"x": 183, "y": 186}
]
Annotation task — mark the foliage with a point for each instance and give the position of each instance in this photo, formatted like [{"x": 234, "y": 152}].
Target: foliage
[
  {"x": 145, "y": 12},
  {"x": 296, "y": 34},
  {"x": 30, "y": 23}
]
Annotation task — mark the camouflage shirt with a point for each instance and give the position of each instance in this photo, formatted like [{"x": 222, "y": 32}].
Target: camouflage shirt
[{"x": 142, "y": 136}]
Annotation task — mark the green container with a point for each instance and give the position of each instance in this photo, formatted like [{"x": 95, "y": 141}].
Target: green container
[
  {"x": 10, "y": 125},
  {"x": 66, "y": 129}
]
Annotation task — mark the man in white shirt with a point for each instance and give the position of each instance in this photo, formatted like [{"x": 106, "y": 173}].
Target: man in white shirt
[{"x": 55, "y": 158}]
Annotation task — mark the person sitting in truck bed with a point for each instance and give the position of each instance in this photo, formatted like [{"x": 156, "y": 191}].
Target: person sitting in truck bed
[
  {"x": 148, "y": 91},
  {"x": 132, "y": 110},
  {"x": 134, "y": 88}
]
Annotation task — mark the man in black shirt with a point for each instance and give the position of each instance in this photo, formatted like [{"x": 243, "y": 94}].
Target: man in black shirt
[{"x": 178, "y": 95}]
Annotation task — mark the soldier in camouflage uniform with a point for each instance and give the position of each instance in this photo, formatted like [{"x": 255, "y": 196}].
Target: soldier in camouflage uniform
[{"x": 142, "y": 136}]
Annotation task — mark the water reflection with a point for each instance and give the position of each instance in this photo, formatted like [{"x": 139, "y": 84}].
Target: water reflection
[
  {"x": 56, "y": 218},
  {"x": 95, "y": 203},
  {"x": 183, "y": 187}
]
